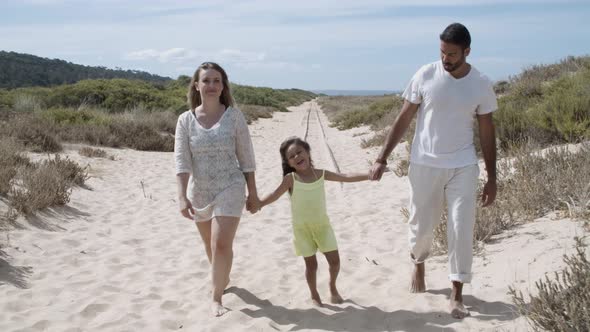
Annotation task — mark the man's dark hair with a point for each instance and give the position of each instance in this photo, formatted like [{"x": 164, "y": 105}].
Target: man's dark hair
[{"x": 457, "y": 34}]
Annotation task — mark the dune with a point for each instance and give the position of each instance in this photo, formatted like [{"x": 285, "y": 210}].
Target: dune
[{"x": 119, "y": 256}]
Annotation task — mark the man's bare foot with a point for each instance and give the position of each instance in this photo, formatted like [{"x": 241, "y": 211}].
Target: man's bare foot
[
  {"x": 217, "y": 309},
  {"x": 458, "y": 310},
  {"x": 456, "y": 306},
  {"x": 418, "y": 285}
]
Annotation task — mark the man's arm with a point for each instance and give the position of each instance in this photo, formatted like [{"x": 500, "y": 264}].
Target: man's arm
[
  {"x": 487, "y": 139},
  {"x": 394, "y": 136}
]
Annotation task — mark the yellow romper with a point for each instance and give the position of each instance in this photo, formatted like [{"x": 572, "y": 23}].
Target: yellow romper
[{"x": 311, "y": 225}]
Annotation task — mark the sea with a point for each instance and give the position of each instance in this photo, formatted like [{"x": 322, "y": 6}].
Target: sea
[{"x": 355, "y": 92}]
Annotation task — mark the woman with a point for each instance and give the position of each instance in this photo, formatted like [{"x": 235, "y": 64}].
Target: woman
[{"x": 214, "y": 161}]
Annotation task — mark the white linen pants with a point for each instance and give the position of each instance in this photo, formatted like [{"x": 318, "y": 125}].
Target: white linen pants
[{"x": 430, "y": 187}]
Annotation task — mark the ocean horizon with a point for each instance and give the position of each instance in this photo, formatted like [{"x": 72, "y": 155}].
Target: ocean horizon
[{"x": 355, "y": 92}]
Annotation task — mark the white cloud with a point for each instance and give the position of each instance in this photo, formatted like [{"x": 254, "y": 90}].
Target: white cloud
[{"x": 165, "y": 56}]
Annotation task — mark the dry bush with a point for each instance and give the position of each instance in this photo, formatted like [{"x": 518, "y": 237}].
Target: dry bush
[
  {"x": 253, "y": 112},
  {"x": 33, "y": 132},
  {"x": 141, "y": 137},
  {"x": 69, "y": 170},
  {"x": 562, "y": 303},
  {"x": 11, "y": 158},
  {"x": 530, "y": 185},
  {"x": 377, "y": 140},
  {"x": 39, "y": 188},
  {"x": 45, "y": 184},
  {"x": 159, "y": 121},
  {"x": 92, "y": 153}
]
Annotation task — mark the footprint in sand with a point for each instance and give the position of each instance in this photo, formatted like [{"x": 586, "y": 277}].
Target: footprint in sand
[
  {"x": 169, "y": 305},
  {"x": 93, "y": 310}
]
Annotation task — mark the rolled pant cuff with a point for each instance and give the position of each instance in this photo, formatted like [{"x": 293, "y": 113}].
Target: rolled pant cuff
[{"x": 463, "y": 278}]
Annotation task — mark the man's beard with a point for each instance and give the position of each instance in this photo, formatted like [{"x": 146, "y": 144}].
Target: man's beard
[{"x": 452, "y": 67}]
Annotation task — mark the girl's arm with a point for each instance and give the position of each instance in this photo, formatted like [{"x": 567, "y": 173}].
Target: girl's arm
[
  {"x": 285, "y": 185},
  {"x": 351, "y": 177}
]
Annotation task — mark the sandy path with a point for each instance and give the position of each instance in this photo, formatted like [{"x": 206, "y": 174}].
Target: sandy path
[{"x": 120, "y": 257}]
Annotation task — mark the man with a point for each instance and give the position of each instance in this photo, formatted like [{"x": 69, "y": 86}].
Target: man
[{"x": 446, "y": 95}]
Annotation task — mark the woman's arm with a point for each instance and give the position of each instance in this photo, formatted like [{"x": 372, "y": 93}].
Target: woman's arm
[
  {"x": 253, "y": 202},
  {"x": 285, "y": 185},
  {"x": 350, "y": 177},
  {"x": 184, "y": 204},
  {"x": 183, "y": 165}
]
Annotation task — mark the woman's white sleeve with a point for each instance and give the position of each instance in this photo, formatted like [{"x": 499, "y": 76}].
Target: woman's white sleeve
[
  {"x": 244, "y": 148},
  {"x": 182, "y": 151}
]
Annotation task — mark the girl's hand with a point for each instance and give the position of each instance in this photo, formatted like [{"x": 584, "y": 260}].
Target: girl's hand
[
  {"x": 186, "y": 208},
  {"x": 253, "y": 204}
]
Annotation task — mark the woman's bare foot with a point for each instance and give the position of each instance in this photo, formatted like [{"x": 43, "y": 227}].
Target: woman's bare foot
[
  {"x": 458, "y": 310},
  {"x": 217, "y": 309},
  {"x": 418, "y": 285}
]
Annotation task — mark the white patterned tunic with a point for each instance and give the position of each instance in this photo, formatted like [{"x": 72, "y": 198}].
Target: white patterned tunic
[{"x": 217, "y": 159}]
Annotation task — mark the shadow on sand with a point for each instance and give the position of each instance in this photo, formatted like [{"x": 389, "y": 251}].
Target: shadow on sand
[
  {"x": 13, "y": 275},
  {"x": 353, "y": 317}
]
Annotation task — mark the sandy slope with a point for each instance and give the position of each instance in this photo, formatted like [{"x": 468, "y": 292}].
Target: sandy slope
[{"x": 119, "y": 257}]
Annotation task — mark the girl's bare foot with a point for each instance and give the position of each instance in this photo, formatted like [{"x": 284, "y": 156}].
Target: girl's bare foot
[
  {"x": 316, "y": 300},
  {"x": 418, "y": 285},
  {"x": 336, "y": 298},
  {"x": 217, "y": 309}
]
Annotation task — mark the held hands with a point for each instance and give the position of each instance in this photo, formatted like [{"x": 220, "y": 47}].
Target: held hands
[
  {"x": 489, "y": 193},
  {"x": 253, "y": 204},
  {"x": 186, "y": 208},
  {"x": 376, "y": 171}
]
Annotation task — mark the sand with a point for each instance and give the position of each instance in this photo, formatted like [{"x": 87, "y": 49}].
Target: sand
[{"x": 119, "y": 256}]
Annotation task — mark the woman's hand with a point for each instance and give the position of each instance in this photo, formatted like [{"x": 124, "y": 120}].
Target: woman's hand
[
  {"x": 253, "y": 204},
  {"x": 186, "y": 208}
]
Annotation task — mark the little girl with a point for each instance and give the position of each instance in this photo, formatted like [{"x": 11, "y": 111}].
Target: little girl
[{"x": 311, "y": 226}]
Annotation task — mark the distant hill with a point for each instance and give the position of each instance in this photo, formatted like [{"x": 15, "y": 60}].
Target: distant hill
[{"x": 26, "y": 70}]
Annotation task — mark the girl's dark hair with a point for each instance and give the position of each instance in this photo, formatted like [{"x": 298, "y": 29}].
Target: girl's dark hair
[
  {"x": 283, "y": 149},
  {"x": 457, "y": 34},
  {"x": 194, "y": 97}
]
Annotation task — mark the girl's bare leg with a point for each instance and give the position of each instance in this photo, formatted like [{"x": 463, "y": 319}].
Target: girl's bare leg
[
  {"x": 311, "y": 268},
  {"x": 333, "y": 259}
]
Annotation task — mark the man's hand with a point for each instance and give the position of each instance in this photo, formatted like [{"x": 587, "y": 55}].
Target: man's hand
[
  {"x": 489, "y": 193},
  {"x": 376, "y": 171}
]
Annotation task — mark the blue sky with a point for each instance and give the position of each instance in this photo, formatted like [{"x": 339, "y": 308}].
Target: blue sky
[{"x": 336, "y": 44}]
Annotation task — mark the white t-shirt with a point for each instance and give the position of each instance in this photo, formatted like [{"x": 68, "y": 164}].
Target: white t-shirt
[{"x": 444, "y": 126}]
